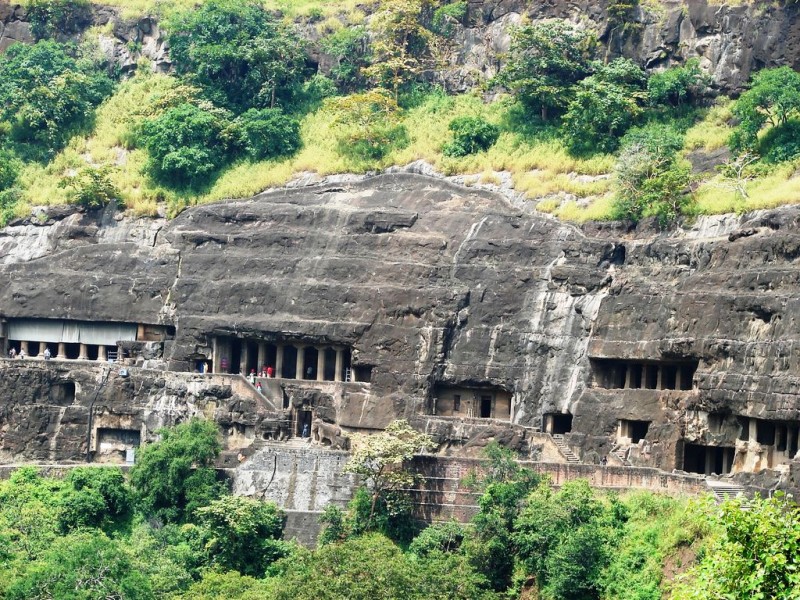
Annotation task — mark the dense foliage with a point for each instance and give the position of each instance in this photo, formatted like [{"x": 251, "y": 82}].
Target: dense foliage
[
  {"x": 256, "y": 98},
  {"x": 47, "y": 94},
  {"x": 95, "y": 535}
]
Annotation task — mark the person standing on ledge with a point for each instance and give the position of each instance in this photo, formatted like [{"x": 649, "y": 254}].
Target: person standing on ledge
[
  {"x": 47, "y": 354},
  {"x": 270, "y": 372}
]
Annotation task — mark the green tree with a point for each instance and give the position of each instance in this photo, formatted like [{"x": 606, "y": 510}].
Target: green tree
[
  {"x": 268, "y": 133},
  {"x": 46, "y": 94},
  {"x": 650, "y": 179},
  {"x": 383, "y": 461},
  {"x": 545, "y": 61},
  {"x": 348, "y": 48},
  {"x": 756, "y": 556},
  {"x": 604, "y": 107},
  {"x": 85, "y": 565},
  {"x": 371, "y": 567},
  {"x": 773, "y": 98},
  {"x": 367, "y": 125},
  {"x": 174, "y": 476},
  {"x": 402, "y": 48},
  {"x": 187, "y": 144},
  {"x": 244, "y": 533},
  {"x": 560, "y": 540},
  {"x": 10, "y": 166},
  {"x": 238, "y": 54}
]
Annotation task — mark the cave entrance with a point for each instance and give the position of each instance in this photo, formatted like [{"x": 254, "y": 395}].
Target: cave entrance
[
  {"x": 486, "y": 407},
  {"x": 707, "y": 460},
  {"x": 235, "y": 365},
  {"x": 252, "y": 357},
  {"x": 289, "y": 362},
  {"x": 557, "y": 423},
  {"x": 310, "y": 356},
  {"x": 632, "y": 432}
]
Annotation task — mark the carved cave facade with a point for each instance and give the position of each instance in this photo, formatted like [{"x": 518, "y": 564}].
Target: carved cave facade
[{"x": 316, "y": 313}]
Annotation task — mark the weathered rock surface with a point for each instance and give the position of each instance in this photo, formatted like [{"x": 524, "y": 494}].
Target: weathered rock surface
[{"x": 430, "y": 284}]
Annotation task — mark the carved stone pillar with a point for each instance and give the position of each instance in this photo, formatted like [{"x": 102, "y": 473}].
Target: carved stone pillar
[
  {"x": 42, "y": 348},
  {"x": 62, "y": 351},
  {"x": 262, "y": 357},
  {"x": 339, "y": 364},
  {"x": 301, "y": 362},
  {"x": 23, "y": 347},
  {"x": 101, "y": 354},
  {"x": 84, "y": 353},
  {"x": 279, "y": 360},
  {"x": 244, "y": 359},
  {"x": 320, "y": 364}
]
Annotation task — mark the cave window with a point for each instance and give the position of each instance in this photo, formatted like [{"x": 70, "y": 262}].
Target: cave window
[
  {"x": 363, "y": 373},
  {"x": 63, "y": 393},
  {"x": 457, "y": 402}
]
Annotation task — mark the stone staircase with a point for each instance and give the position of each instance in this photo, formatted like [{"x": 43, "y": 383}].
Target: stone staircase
[
  {"x": 726, "y": 490},
  {"x": 571, "y": 457},
  {"x": 621, "y": 453}
]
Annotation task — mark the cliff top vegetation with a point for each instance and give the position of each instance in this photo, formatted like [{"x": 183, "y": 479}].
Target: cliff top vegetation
[{"x": 261, "y": 93}]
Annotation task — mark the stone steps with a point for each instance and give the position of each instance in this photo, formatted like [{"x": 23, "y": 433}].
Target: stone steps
[
  {"x": 726, "y": 490},
  {"x": 571, "y": 457},
  {"x": 620, "y": 454}
]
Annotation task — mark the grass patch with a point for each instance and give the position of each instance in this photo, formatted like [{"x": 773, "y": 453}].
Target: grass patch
[
  {"x": 713, "y": 130},
  {"x": 291, "y": 9},
  {"x": 780, "y": 187}
]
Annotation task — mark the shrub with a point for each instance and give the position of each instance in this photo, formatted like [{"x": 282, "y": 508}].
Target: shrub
[
  {"x": 51, "y": 18},
  {"x": 9, "y": 169},
  {"x": 187, "y": 144},
  {"x": 446, "y": 16},
  {"x": 268, "y": 133},
  {"x": 470, "y": 135},
  {"x": 678, "y": 85},
  {"x": 91, "y": 187},
  {"x": 781, "y": 143},
  {"x": 649, "y": 177}
]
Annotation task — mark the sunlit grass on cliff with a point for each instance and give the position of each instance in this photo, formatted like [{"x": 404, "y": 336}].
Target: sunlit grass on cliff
[
  {"x": 289, "y": 8},
  {"x": 780, "y": 187}
]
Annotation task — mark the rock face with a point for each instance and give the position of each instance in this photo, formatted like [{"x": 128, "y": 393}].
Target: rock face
[
  {"x": 730, "y": 40},
  {"x": 675, "y": 351}
]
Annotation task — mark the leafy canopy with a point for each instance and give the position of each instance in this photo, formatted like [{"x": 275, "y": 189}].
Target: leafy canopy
[
  {"x": 545, "y": 60},
  {"x": 604, "y": 107},
  {"x": 174, "y": 476},
  {"x": 47, "y": 95},
  {"x": 773, "y": 98},
  {"x": 238, "y": 54}
]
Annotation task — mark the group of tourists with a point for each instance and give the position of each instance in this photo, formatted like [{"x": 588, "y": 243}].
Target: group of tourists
[{"x": 21, "y": 354}]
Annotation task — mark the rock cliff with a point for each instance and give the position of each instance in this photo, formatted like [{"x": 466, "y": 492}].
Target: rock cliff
[{"x": 675, "y": 351}]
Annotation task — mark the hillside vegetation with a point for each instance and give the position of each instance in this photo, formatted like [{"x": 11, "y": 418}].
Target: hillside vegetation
[
  {"x": 244, "y": 110},
  {"x": 171, "y": 530}
]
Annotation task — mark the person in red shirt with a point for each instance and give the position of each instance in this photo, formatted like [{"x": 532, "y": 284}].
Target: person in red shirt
[{"x": 270, "y": 372}]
